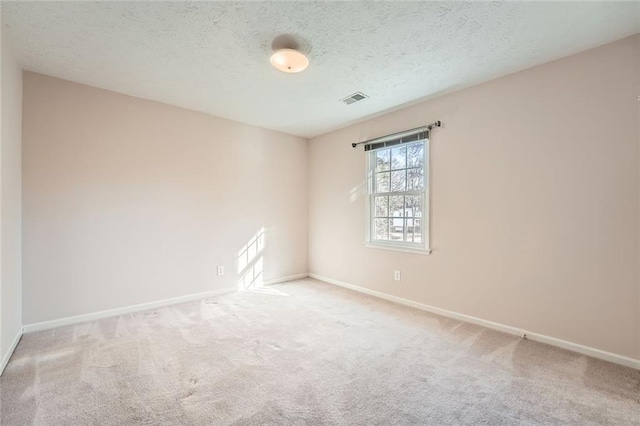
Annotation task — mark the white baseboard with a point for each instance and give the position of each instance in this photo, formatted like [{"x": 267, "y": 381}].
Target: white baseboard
[
  {"x": 46, "y": 325},
  {"x": 575, "y": 347},
  {"x": 285, "y": 279},
  {"x": 7, "y": 356}
]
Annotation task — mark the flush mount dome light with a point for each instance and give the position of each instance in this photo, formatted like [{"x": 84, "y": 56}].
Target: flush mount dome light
[{"x": 289, "y": 60}]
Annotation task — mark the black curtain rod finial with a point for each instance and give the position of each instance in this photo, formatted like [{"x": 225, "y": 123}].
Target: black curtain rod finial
[{"x": 435, "y": 124}]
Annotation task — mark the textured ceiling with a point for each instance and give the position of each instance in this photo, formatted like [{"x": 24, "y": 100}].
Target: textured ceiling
[{"x": 214, "y": 56}]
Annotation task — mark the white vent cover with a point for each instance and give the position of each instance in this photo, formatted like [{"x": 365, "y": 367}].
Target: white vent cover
[{"x": 358, "y": 96}]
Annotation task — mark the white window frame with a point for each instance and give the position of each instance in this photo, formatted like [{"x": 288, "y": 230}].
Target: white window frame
[{"x": 419, "y": 248}]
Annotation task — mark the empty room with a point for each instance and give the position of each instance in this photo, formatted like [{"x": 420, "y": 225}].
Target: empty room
[{"x": 320, "y": 213}]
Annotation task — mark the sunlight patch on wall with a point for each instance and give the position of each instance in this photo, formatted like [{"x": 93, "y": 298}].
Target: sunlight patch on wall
[
  {"x": 357, "y": 192},
  {"x": 250, "y": 262}
]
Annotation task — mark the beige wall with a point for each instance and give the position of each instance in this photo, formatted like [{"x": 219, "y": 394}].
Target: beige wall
[
  {"x": 10, "y": 200},
  {"x": 129, "y": 201},
  {"x": 534, "y": 202}
]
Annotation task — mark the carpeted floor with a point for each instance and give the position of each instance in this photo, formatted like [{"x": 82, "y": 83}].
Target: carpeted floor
[{"x": 304, "y": 353}]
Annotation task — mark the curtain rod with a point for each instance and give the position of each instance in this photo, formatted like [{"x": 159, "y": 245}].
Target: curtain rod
[{"x": 407, "y": 132}]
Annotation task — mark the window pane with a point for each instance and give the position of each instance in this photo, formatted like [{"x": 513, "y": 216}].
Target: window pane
[
  {"x": 415, "y": 179},
  {"x": 382, "y": 160},
  {"x": 417, "y": 230},
  {"x": 396, "y": 229},
  {"x": 382, "y": 206},
  {"x": 382, "y": 229},
  {"x": 399, "y": 181},
  {"x": 413, "y": 205},
  {"x": 409, "y": 227},
  {"x": 396, "y": 206},
  {"x": 399, "y": 157},
  {"x": 415, "y": 155},
  {"x": 382, "y": 182}
]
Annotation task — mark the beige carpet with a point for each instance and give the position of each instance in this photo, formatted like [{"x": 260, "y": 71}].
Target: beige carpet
[{"x": 304, "y": 353}]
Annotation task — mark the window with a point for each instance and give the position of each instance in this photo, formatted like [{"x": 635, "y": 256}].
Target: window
[{"x": 398, "y": 207}]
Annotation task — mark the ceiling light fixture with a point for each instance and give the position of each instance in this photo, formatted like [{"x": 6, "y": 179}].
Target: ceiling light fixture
[{"x": 289, "y": 61}]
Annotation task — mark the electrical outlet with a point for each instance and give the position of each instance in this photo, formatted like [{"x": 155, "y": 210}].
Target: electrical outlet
[
  {"x": 220, "y": 270},
  {"x": 396, "y": 275}
]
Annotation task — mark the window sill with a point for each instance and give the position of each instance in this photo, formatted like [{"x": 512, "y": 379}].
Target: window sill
[{"x": 424, "y": 252}]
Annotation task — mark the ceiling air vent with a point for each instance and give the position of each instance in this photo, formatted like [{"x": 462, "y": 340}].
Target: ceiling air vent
[{"x": 358, "y": 96}]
